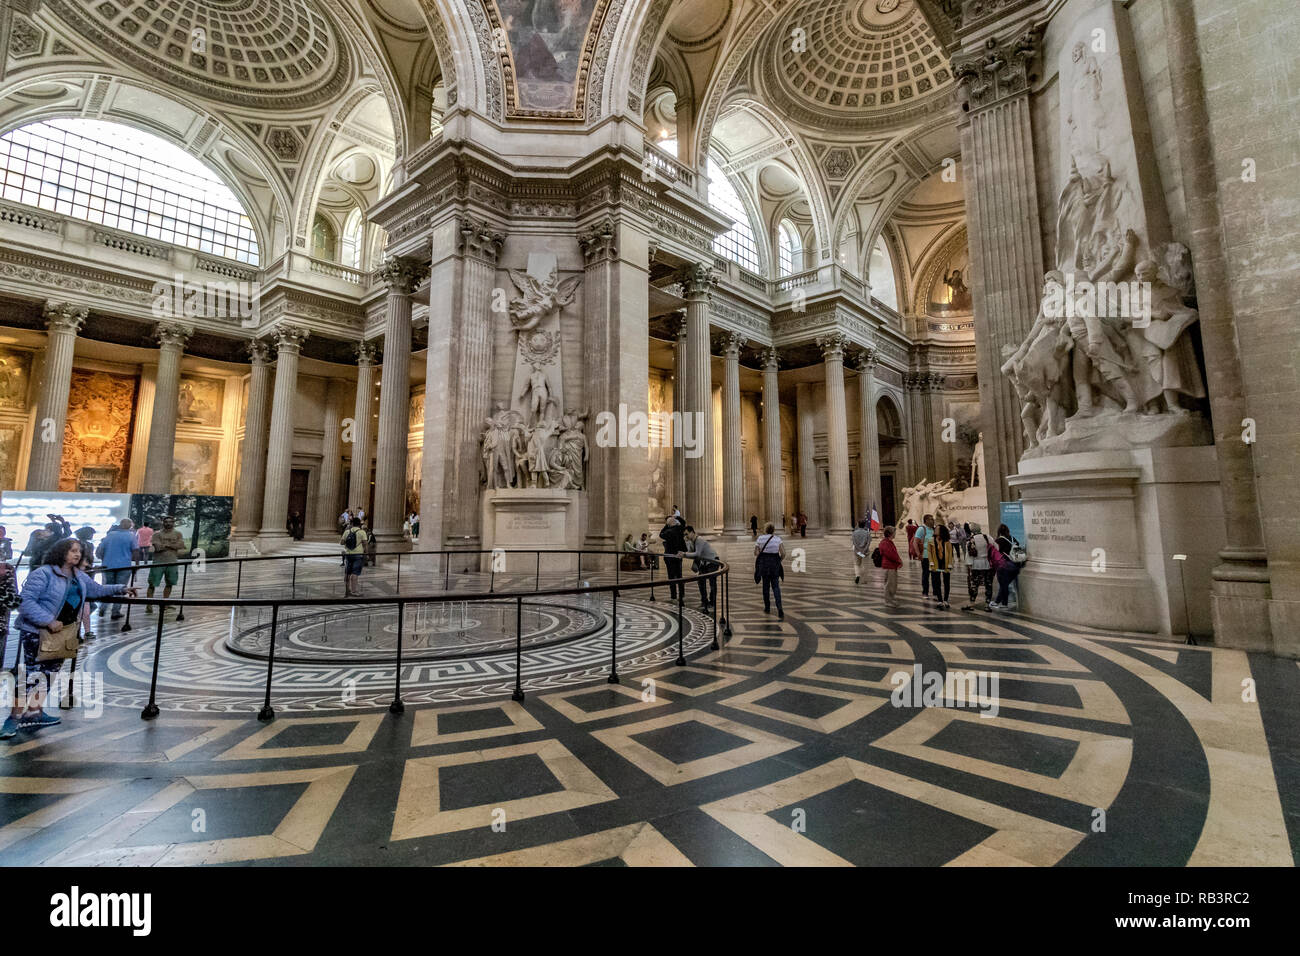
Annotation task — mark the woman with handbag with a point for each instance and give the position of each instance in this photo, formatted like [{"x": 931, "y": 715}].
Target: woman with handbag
[
  {"x": 1008, "y": 570},
  {"x": 49, "y": 619},
  {"x": 768, "y": 553}
]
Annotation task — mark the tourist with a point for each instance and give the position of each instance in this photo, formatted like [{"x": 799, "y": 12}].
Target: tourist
[
  {"x": 6, "y": 546},
  {"x": 628, "y": 560},
  {"x": 861, "y": 548},
  {"x": 890, "y": 562},
  {"x": 39, "y": 541},
  {"x": 370, "y": 539},
  {"x": 940, "y": 560},
  {"x": 117, "y": 550},
  {"x": 768, "y": 553},
  {"x": 924, "y": 535},
  {"x": 705, "y": 560},
  {"x": 59, "y": 525},
  {"x": 911, "y": 539},
  {"x": 86, "y": 536},
  {"x": 144, "y": 540},
  {"x": 51, "y": 600},
  {"x": 648, "y": 560},
  {"x": 802, "y": 520},
  {"x": 673, "y": 535},
  {"x": 1008, "y": 570},
  {"x": 354, "y": 542},
  {"x": 753, "y": 527},
  {"x": 415, "y": 526},
  {"x": 978, "y": 570},
  {"x": 406, "y": 528},
  {"x": 167, "y": 546},
  {"x": 345, "y": 520},
  {"x": 958, "y": 536}
]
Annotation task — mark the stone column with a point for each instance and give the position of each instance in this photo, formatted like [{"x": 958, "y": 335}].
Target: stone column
[
  {"x": 171, "y": 337},
  {"x": 1241, "y": 589},
  {"x": 697, "y": 374},
  {"x": 679, "y": 398},
  {"x": 252, "y": 451},
  {"x": 837, "y": 433},
  {"x": 63, "y": 320},
  {"x": 931, "y": 396},
  {"x": 331, "y": 459},
  {"x": 733, "y": 471},
  {"x": 868, "y": 432},
  {"x": 773, "y": 502},
  {"x": 362, "y": 430},
  {"x": 401, "y": 277},
  {"x": 279, "y": 455},
  {"x": 1006, "y": 250},
  {"x": 808, "y": 490}
]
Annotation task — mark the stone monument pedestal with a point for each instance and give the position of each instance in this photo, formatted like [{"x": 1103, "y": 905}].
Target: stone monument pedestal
[
  {"x": 969, "y": 506},
  {"x": 1103, "y": 529},
  {"x": 546, "y": 519}
]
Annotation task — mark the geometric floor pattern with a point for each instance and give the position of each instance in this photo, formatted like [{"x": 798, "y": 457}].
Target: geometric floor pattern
[{"x": 785, "y": 747}]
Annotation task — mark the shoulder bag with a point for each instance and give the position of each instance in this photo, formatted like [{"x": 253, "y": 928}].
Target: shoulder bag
[{"x": 61, "y": 645}]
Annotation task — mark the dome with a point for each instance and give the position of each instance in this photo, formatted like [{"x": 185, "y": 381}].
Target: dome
[
  {"x": 269, "y": 54},
  {"x": 856, "y": 62}
]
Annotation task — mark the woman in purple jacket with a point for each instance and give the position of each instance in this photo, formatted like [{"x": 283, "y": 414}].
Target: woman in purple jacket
[{"x": 52, "y": 598}]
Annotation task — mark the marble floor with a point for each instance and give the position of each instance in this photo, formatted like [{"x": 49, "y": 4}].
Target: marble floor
[{"x": 783, "y": 747}]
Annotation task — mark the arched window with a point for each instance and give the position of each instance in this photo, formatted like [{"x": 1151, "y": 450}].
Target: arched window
[
  {"x": 323, "y": 243},
  {"x": 881, "y": 275},
  {"x": 738, "y": 242},
  {"x": 120, "y": 177},
  {"x": 789, "y": 248},
  {"x": 353, "y": 234}
]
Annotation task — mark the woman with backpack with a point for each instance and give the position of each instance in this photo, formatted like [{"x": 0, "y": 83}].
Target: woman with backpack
[
  {"x": 979, "y": 569},
  {"x": 1008, "y": 570},
  {"x": 939, "y": 553}
]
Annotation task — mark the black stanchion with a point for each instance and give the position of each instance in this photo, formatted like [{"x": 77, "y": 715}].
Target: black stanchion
[
  {"x": 267, "y": 713},
  {"x": 397, "y": 707},
  {"x": 293, "y": 582},
  {"x": 151, "y": 709},
  {"x": 681, "y": 635},
  {"x": 70, "y": 699},
  {"x": 726, "y": 606},
  {"x": 613, "y": 640},
  {"x": 399, "y": 577},
  {"x": 185, "y": 578},
  {"x": 537, "y": 584},
  {"x": 239, "y": 575},
  {"x": 653, "y": 564},
  {"x": 713, "y": 606},
  {"x": 126, "y": 625},
  {"x": 519, "y": 649}
]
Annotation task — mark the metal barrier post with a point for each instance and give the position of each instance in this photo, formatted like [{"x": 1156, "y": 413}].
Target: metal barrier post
[
  {"x": 399, "y": 577},
  {"x": 293, "y": 583},
  {"x": 239, "y": 575},
  {"x": 653, "y": 565},
  {"x": 151, "y": 709},
  {"x": 613, "y": 641},
  {"x": 578, "y": 583},
  {"x": 71, "y": 697},
  {"x": 681, "y": 636},
  {"x": 397, "y": 707},
  {"x": 537, "y": 584},
  {"x": 713, "y": 606},
  {"x": 446, "y": 571},
  {"x": 267, "y": 713},
  {"x": 185, "y": 578},
  {"x": 726, "y": 605},
  {"x": 126, "y": 625},
  {"x": 519, "y": 649}
]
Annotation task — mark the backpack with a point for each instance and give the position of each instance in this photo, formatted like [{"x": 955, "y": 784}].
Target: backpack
[
  {"x": 350, "y": 539},
  {"x": 876, "y": 557}
]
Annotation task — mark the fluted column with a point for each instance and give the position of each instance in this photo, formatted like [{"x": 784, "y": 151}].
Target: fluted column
[
  {"x": 63, "y": 320},
  {"x": 171, "y": 337},
  {"x": 252, "y": 452},
  {"x": 1006, "y": 250},
  {"x": 679, "y": 398},
  {"x": 401, "y": 277},
  {"x": 697, "y": 285},
  {"x": 331, "y": 459},
  {"x": 362, "y": 428},
  {"x": 808, "y": 485},
  {"x": 931, "y": 397},
  {"x": 279, "y": 455},
  {"x": 733, "y": 471},
  {"x": 837, "y": 433},
  {"x": 868, "y": 432},
  {"x": 773, "y": 503}
]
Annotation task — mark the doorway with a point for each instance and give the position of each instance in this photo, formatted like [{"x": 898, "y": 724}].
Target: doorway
[
  {"x": 297, "y": 503},
  {"x": 887, "y": 500}
]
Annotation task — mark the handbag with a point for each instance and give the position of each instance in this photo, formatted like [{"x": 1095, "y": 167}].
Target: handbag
[
  {"x": 60, "y": 645},
  {"x": 876, "y": 557}
]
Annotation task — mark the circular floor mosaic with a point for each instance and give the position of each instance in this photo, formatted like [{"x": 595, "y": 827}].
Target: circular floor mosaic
[{"x": 430, "y": 632}]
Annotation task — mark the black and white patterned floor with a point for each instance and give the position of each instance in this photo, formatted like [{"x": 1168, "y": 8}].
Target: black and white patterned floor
[{"x": 787, "y": 746}]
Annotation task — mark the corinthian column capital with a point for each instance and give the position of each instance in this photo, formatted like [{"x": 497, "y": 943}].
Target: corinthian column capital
[
  {"x": 401, "y": 275},
  {"x": 65, "y": 317},
  {"x": 259, "y": 351},
  {"x": 833, "y": 346},
  {"x": 172, "y": 334},
  {"x": 732, "y": 343},
  {"x": 601, "y": 243},
  {"x": 1001, "y": 69},
  {"x": 366, "y": 353},
  {"x": 289, "y": 338},
  {"x": 770, "y": 357},
  {"x": 698, "y": 281},
  {"x": 477, "y": 238}
]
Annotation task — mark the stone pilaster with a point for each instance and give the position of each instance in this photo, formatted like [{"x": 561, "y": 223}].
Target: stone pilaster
[
  {"x": 362, "y": 429},
  {"x": 773, "y": 497},
  {"x": 63, "y": 320},
  {"x": 252, "y": 451},
  {"x": 941, "y": 465},
  {"x": 1006, "y": 258},
  {"x": 279, "y": 455},
  {"x": 697, "y": 285},
  {"x": 837, "y": 434},
  {"x": 331, "y": 459},
  {"x": 679, "y": 399},
  {"x": 400, "y": 276},
  {"x": 868, "y": 432},
  {"x": 733, "y": 472},
  {"x": 171, "y": 337},
  {"x": 808, "y": 485}
]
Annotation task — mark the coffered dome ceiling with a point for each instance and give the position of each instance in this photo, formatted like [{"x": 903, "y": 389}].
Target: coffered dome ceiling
[
  {"x": 855, "y": 64},
  {"x": 268, "y": 54}
]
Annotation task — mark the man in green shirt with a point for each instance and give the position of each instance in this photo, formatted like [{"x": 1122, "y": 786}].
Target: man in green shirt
[
  {"x": 167, "y": 547},
  {"x": 354, "y": 543}
]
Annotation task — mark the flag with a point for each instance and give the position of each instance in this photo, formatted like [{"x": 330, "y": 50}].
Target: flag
[{"x": 875, "y": 519}]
